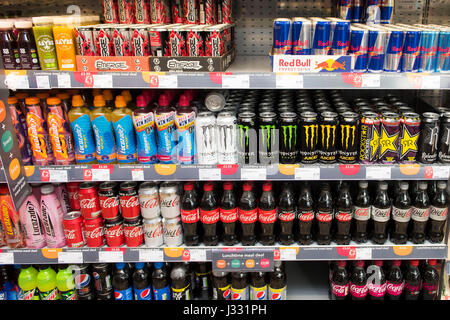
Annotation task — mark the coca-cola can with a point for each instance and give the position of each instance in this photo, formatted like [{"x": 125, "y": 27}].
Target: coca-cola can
[
  {"x": 74, "y": 198},
  {"x": 102, "y": 34},
  {"x": 93, "y": 232},
  {"x": 159, "y": 41},
  {"x": 126, "y": 11},
  {"x": 122, "y": 41},
  {"x": 177, "y": 11},
  {"x": 196, "y": 41},
  {"x": 169, "y": 200},
  {"x": 142, "y": 13},
  {"x": 114, "y": 233},
  {"x": 129, "y": 200},
  {"x": 208, "y": 11},
  {"x": 140, "y": 44},
  {"x": 73, "y": 229},
  {"x": 89, "y": 201},
  {"x": 173, "y": 233},
  {"x": 177, "y": 41},
  {"x": 85, "y": 41},
  {"x": 110, "y": 11},
  {"x": 191, "y": 13},
  {"x": 160, "y": 11},
  {"x": 149, "y": 200},
  {"x": 153, "y": 232},
  {"x": 109, "y": 200},
  {"x": 215, "y": 41},
  {"x": 133, "y": 232}
]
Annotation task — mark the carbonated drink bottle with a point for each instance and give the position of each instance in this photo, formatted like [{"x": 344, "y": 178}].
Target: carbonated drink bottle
[
  {"x": 358, "y": 282},
  {"x": 141, "y": 285},
  {"x": 221, "y": 285},
  {"x": 381, "y": 212},
  {"x": 190, "y": 215},
  {"x": 228, "y": 214},
  {"x": 258, "y": 286},
  {"x": 344, "y": 215},
  {"x": 28, "y": 283},
  {"x": 248, "y": 215},
  {"x": 46, "y": 283},
  {"x": 394, "y": 281},
  {"x": 267, "y": 215},
  {"x": 305, "y": 207},
  {"x": 278, "y": 282},
  {"x": 362, "y": 213},
  {"x": 239, "y": 286},
  {"x": 420, "y": 214},
  {"x": 324, "y": 215},
  {"x": 340, "y": 281},
  {"x": 376, "y": 281},
  {"x": 65, "y": 283},
  {"x": 121, "y": 283},
  {"x": 202, "y": 281},
  {"x": 286, "y": 214},
  {"x": 9, "y": 286},
  {"x": 181, "y": 282},
  {"x": 438, "y": 213},
  {"x": 430, "y": 282},
  {"x": 209, "y": 215},
  {"x": 401, "y": 214},
  {"x": 160, "y": 281},
  {"x": 413, "y": 281}
]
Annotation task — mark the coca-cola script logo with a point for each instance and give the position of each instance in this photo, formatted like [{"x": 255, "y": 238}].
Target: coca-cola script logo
[
  {"x": 88, "y": 203},
  {"x": 189, "y": 216},
  {"x": 358, "y": 291},
  {"x": 169, "y": 202},
  {"x": 94, "y": 233},
  {"x": 286, "y": 216},
  {"x": 172, "y": 232},
  {"x": 376, "y": 290},
  {"x": 394, "y": 289},
  {"x": 228, "y": 216},
  {"x": 209, "y": 217},
  {"x": 109, "y": 203},
  {"x": 344, "y": 216},
  {"x": 114, "y": 232},
  {"x": 362, "y": 213},
  {"x": 306, "y": 216},
  {"x": 150, "y": 203},
  {"x": 69, "y": 234},
  {"x": 130, "y": 202},
  {"x": 248, "y": 216},
  {"x": 339, "y": 291},
  {"x": 268, "y": 216},
  {"x": 133, "y": 232},
  {"x": 155, "y": 232},
  {"x": 324, "y": 217}
]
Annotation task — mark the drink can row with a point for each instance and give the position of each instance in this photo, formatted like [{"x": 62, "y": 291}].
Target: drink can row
[{"x": 159, "y": 231}]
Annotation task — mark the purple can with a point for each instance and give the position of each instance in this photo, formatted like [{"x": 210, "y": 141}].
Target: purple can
[
  {"x": 358, "y": 48},
  {"x": 301, "y": 36},
  {"x": 410, "y": 132},
  {"x": 389, "y": 137}
]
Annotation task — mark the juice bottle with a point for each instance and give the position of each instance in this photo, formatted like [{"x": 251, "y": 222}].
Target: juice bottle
[
  {"x": 38, "y": 134},
  {"x": 65, "y": 101},
  {"x": 64, "y": 43},
  {"x": 43, "y": 34},
  {"x": 103, "y": 132},
  {"x": 20, "y": 125},
  {"x": 124, "y": 130},
  {"x": 46, "y": 282},
  {"x": 59, "y": 131},
  {"x": 8, "y": 46},
  {"x": 126, "y": 94},
  {"x": 80, "y": 122},
  {"x": 10, "y": 220},
  {"x": 28, "y": 283},
  {"x": 28, "y": 54},
  {"x": 109, "y": 99},
  {"x": 144, "y": 124}
]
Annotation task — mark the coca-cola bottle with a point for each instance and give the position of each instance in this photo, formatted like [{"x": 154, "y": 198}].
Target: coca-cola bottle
[
  {"x": 394, "y": 281},
  {"x": 412, "y": 281},
  {"x": 358, "y": 281},
  {"x": 286, "y": 214},
  {"x": 362, "y": 212},
  {"x": 420, "y": 214},
  {"x": 190, "y": 215},
  {"x": 209, "y": 215},
  {"x": 248, "y": 215},
  {"x": 305, "y": 208},
  {"x": 344, "y": 215},
  {"x": 401, "y": 214},
  {"x": 438, "y": 213},
  {"x": 376, "y": 281},
  {"x": 340, "y": 282},
  {"x": 229, "y": 214},
  {"x": 324, "y": 215},
  {"x": 267, "y": 215},
  {"x": 430, "y": 282},
  {"x": 381, "y": 211}
]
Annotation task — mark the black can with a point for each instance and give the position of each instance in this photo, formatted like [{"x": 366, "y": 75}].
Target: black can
[
  {"x": 268, "y": 148},
  {"x": 247, "y": 138},
  {"x": 429, "y": 135},
  {"x": 288, "y": 138},
  {"x": 102, "y": 278},
  {"x": 390, "y": 136},
  {"x": 348, "y": 137},
  {"x": 105, "y": 296},
  {"x": 444, "y": 146},
  {"x": 410, "y": 132},
  {"x": 309, "y": 137},
  {"x": 327, "y": 137},
  {"x": 83, "y": 281}
]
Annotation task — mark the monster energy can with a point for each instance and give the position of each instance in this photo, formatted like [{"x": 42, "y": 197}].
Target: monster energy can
[
  {"x": 247, "y": 138},
  {"x": 268, "y": 149},
  {"x": 206, "y": 137},
  {"x": 288, "y": 138},
  {"x": 309, "y": 137},
  {"x": 390, "y": 136},
  {"x": 327, "y": 137},
  {"x": 226, "y": 138},
  {"x": 348, "y": 137},
  {"x": 369, "y": 143},
  {"x": 444, "y": 147},
  {"x": 409, "y": 137},
  {"x": 429, "y": 135}
]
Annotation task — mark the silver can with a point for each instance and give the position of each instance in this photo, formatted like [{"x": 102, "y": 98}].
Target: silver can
[
  {"x": 169, "y": 196},
  {"x": 149, "y": 200},
  {"x": 206, "y": 138},
  {"x": 153, "y": 232},
  {"x": 173, "y": 234},
  {"x": 226, "y": 138}
]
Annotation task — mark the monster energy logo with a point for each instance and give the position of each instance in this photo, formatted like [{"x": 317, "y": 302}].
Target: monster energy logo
[
  {"x": 310, "y": 137},
  {"x": 243, "y": 132},
  {"x": 290, "y": 128},
  {"x": 345, "y": 135},
  {"x": 327, "y": 129},
  {"x": 269, "y": 129}
]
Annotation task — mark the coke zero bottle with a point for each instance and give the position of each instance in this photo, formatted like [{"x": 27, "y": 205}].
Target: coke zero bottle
[
  {"x": 181, "y": 282},
  {"x": 267, "y": 215},
  {"x": 358, "y": 282},
  {"x": 229, "y": 214},
  {"x": 381, "y": 211},
  {"x": 362, "y": 212},
  {"x": 340, "y": 281},
  {"x": 401, "y": 214},
  {"x": 209, "y": 215},
  {"x": 438, "y": 213},
  {"x": 412, "y": 281},
  {"x": 286, "y": 214},
  {"x": 376, "y": 283},
  {"x": 305, "y": 207},
  {"x": 394, "y": 281},
  {"x": 344, "y": 215},
  {"x": 420, "y": 214},
  {"x": 190, "y": 215},
  {"x": 324, "y": 215},
  {"x": 248, "y": 215},
  {"x": 221, "y": 285},
  {"x": 430, "y": 282}
]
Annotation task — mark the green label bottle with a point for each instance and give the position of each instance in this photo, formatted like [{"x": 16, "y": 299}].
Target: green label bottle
[{"x": 43, "y": 35}]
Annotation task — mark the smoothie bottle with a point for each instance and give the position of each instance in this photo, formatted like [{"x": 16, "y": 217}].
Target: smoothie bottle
[
  {"x": 64, "y": 42},
  {"x": 43, "y": 34},
  {"x": 28, "y": 55},
  {"x": 8, "y": 46}
]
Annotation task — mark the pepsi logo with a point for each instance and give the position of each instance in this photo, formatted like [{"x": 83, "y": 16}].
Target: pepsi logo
[
  {"x": 226, "y": 294},
  {"x": 261, "y": 295},
  {"x": 82, "y": 280},
  {"x": 118, "y": 295},
  {"x": 276, "y": 296},
  {"x": 145, "y": 294},
  {"x": 236, "y": 296},
  {"x": 96, "y": 275}
]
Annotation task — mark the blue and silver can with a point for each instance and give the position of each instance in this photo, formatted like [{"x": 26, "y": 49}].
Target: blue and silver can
[
  {"x": 444, "y": 50},
  {"x": 387, "y": 10},
  {"x": 282, "y": 36},
  {"x": 373, "y": 12},
  {"x": 394, "y": 49},
  {"x": 321, "y": 36},
  {"x": 428, "y": 50},
  {"x": 411, "y": 50},
  {"x": 301, "y": 36},
  {"x": 376, "y": 49},
  {"x": 358, "y": 48},
  {"x": 339, "y": 36}
]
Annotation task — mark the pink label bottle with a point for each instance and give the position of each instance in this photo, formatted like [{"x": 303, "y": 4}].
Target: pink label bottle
[
  {"x": 30, "y": 216},
  {"x": 63, "y": 197},
  {"x": 52, "y": 217}
]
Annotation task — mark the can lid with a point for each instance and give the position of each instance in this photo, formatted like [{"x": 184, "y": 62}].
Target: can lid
[
  {"x": 47, "y": 189},
  {"x": 72, "y": 215},
  {"x": 246, "y": 115},
  {"x": 107, "y": 185},
  {"x": 148, "y": 187},
  {"x": 53, "y": 101},
  {"x": 205, "y": 114},
  {"x": 349, "y": 115},
  {"x": 128, "y": 185},
  {"x": 267, "y": 115},
  {"x": 430, "y": 117},
  {"x": 87, "y": 185},
  {"x": 329, "y": 115},
  {"x": 288, "y": 116}
]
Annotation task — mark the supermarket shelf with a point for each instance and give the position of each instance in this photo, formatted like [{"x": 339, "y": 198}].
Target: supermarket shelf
[
  {"x": 252, "y": 72},
  {"x": 201, "y": 253},
  {"x": 37, "y": 174}
]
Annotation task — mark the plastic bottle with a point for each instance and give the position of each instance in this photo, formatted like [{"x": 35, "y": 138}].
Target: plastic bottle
[
  {"x": 277, "y": 283},
  {"x": 420, "y": 214},
  {"x": 28, "y": 283},
  {"x": 229, "y": 214},
  {"x": 64, "y": 43},
  {"x": 376, "y": 282},
  {"x": 6, "y": 279},
  {"x": 43, "y": 34},
  {"x": 413, "y": 281},
  {"x": 344, "y": 215},
  {"x": 8, "y": 46},
  {"x": 239, "y": 286},
  {"x": 52, "y": 217},
  {"x": 28, "y": 54},
  {"x": 381, "y": 212},
  {"x": 167, "y": 131},
  {"x": 46, "y": 283},
  {"x": 144, "y": 124},
  {"x": 10, "y": 220},
  {"x": 394, "y": 281},
  {"x": 65, "y": 283},
  {"x": 202, "y": 288},
  {"x": 20, "y": 125},
  {"x": 160, "y": 282},
  {"x": 401, "y": 214},
  {"x": 362, "y": 213},
  {"x": 141, "y": 284},
  {"x": 126, "y": 94},
  {"x": 185, "y": 122},
  {"x": 340, "y": 281},
  {"x": 124, "y": 130},
  {"x": 181, "y": 282},
  {"x": 358, "y": 282},
  {"x": 221, "y": 285},
  {"x": 325, "y": 210},
  {"x": 248, "y": 215},
  {"x": 109, "y": 99},
  {"x": 103, "y": 132},
  {"x": 438, "y": 213},
  {"x": 305, "y": 208},
  {"x": 190, "y": 215},
  {"x": 209, "y": 215},
  {"x": 30, "y": 217},
  {"x": 430, "y": 282},
  {"x": 267, "y": 215},
  {"x": 121, "y": 283},
  {"x": 258, "y": 286}
]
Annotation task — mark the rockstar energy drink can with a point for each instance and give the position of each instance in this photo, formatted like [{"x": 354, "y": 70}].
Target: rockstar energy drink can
[
  {"x": 369, "y": 142},
  {"x": 390, "y": 136},
  {"x": 410, "y": 131},
  {"x": 288, "y": 138},
  {"x": 348, "y": 137},
  {"x": 247, "y": 138},
  {"x": 268, "y": 149},
  {"x": 327, "y": 137},
  {"x": 429, "y": 135},
  {"x": 309, "y": 137}
]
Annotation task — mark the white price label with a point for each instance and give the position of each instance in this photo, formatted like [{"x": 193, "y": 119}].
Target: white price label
[
  {"x": 110, "y": 256},
  {"x": 17, "y": 82},
  {"x": 371, "y": 81},
  {"x": 209, "y": 174},
  {"x": 198, "y": 254},
  {"x": 441, "y": 172},
  {"x": 137, "y": 174},
  {"x": 289, "y": 81},
  {"x": 168, "y": 81},
  {"x": 70, "y": 257},
  {"x": 64, "y": 80},
  {"x": 253, "y": 174},
  {"x": 7, "y": 258},
  {"x": 100, "y": 175},
  {"x": 58, "y": 176},
  {"x": 236, "y": 81},
  {"x": 151, "y": 255},
  {"x": 307, "y": 173},
  {"x": 363, "y": 254},
  {"x": 103, "y": 81},
  {"x": 378, "y": 173},
  {"x": 43, "y": 82},
  {"x": 431, "y": 82},
  {"x": 288, "y": 254}
]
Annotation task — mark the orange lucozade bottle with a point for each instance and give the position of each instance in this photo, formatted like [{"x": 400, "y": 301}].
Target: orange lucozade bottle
[{"x": 63, "y": 33}]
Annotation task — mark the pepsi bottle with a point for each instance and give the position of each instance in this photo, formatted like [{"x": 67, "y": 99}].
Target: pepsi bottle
[
  {"x": 181, "y": 282},
  {"x": 438, "y": 213},
  {"x": 339, "y": 281},
  {"x": 121, "y": 283},
  {"x": 278, "y": 282},
  {"x": 286, "y": 214},
  {"x": 413, "y": 281},
  {"x": 160, "y": 281},
  {"x": 258, "y": 286},
  {"x": 141, "y": 284},
  {"x": 305, "y": 208},
  {"x": 394, "y": 281},
  {"x": 221, "y": 285},
  {"x": 239, "y": 286}
]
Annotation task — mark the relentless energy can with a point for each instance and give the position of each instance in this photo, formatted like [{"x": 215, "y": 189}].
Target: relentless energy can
[
  {"x": 226, "y": 138},
  {"x": 410, "y": 133},
  {"x": 288, "y": 138},
  {"x": 247, "y": 138},
  {"x": 327, "y": 137},
  {"x": 268, "y": 149},
  {"x": 348, "y": 137},
  {"x": 429, "y": 135},
  {"x": 390, "y": 136},
  {"x": 444, "y": 146},
  {"x": 309, "y": 137}
]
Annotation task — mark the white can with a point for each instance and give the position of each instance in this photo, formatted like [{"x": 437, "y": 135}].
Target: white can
[
  {"x": 169, "y": 200},
  {"x": 149, "y": 200},
  {"x": 173, "y": 234},
  {"x": 153, "y": 232}
]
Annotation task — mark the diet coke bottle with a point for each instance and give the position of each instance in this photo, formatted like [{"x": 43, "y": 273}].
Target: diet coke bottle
[
  {"x": 30, "y": 216},
  {"x": 52, "y": 217},
  {"x": 248, "y": 215},
  {"x": 420, "y": 214},
  {"x": 229, "y": 214},
  {"x": 401, "y": 214},
  {"x": 149, "y": 200},
  {"x": 209, "y": 215},
  {"x": 362, "y": 212},
  {"x": 438, "y": 213},
  {"x": 267, "y": 215},
  {"x": 381, "y": 212},
  {"x": 190, "y": 215}
]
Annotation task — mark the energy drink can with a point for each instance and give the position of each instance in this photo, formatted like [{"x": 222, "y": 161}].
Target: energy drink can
[
  {"x": 215, "y": 41},
  {"x": 196, "y": 41},
  {"x": 85, "y": 41},
  {"x": 177, "y": 11},
  {"x": 376, "y": 49},
  {"x": 122, "y": 41},
  {"x": 227, "y": 138},
  {"x": 428, "y": 50},
  {"x": 206, "y": 138},
  {"x": 410, "y": 136},
  {"x": 369, "y": 143},
  {"x": 411, "y": 49},
  {"x": 339, "y": 36},
  {"x": 140, "y": 44},
  {"x": 309, "y": 137},
  {"x": 373, "y": 12},
  {"x": 282, "y": 36},
  {"x": 390, "y": 136},
  {"x": 345, "y": 9},
  {"x": 208, "y": 11},
  {"x": 268, "y": 149},
  {"x": 159, "y": 41},
  {"x": 394, "y": 50},
  {"x": 160, "y": 11},
  {"x": 247, "y": 138},
  {"x": 443, "y": 64},
  {"x": 142, "y": 15},
  {"x": 126, "y": 11},
  {"x": 301, "y": 36},
  {"x": 321, "y": 36},
  {"x": 289, "y": 152},
  {"x": 357, "y": 9},
  {"x": 110, "y": 11},
  {"x": 191, "y": 12},
  {"x": 103, "y": 40},
  {"x": 327, "y": 137},
  {"x": 177, "y": 41},
  {"x": 444, "y": 146},
  {"x": 348, "y": 137},
  {"x": 429, "y": 135},
  {"x": 387, "y": 10}
]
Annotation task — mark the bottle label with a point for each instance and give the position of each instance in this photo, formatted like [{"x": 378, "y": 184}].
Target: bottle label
[
  {"x": 50, "y": 295},
  {"x": 362, "y": 214},
  {"x": 145, "y": 135},
  {"x": 190, "y": 216},
  {"x": 267, "y": 217},
  {"x": 142, "y": 294},
  {"x": 248, "y": 216},
  {"x": 39, "y": 139},
  {"x": 338, "y": 290},
  {"x": 29, "y": 295},
  {"x": 358, "y": 291},
  {"x": 69, "y": 295},
  {"x": 343, "y": 216},
  {"x": 401, "y": 215},
  {"x": 162, "y": 294},
  {"x": 377, "y": 290},
  {"x": 222, "y": 293},
  {"x": 229, "y": 216},
  {"x": 186, "y": 137},
  {"x": 438, "y": 214},
  {"x": 412, "y": 290},
  {"x": 430, "y": 289},
  {"x": 167, "y": 137},
  {"x": 306, "y": 216},
  {"x": 277, "y": 294},
  {"x": 60, "y": 137},
  {"x": 239, "y": 294},
  {"x": 380, "y": 215},
  {"x": 287, "y": 215},
  {"x": 104, "y": 139},
  {"x": 209, "y": 217},
  {"x": 125, "y": 139},
  {"x": 324, "y": 216},
  {"x": 258, "y": 293},
  {"x": 420, "y": 214},
  {"x": 182, "y": 294},
  {"x": 394, "y": 289},
  {"x": 126, "y": 294},
  {"x": 83, "y": 139}
]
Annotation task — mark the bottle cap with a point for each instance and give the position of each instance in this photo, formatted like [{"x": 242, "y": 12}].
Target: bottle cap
[
  {"x": 120, "y": 102},
  {"x": 441, "y": 185},
  {"x": 184, "y": 101},
  {"x": 432, "y": 262},
  {"x": 47, "y": 189},
  {"x": 148, "y": 95},
  {"x": 22, "y": 95},
  {"x": 43, "y": 95},
  {"x": 189, "y": 94},
  {"x": 107, "y": 94},
  {"x": 126, "y": 95},
  {"x": 139, "y": 265},
  {"x": 363, "y": 184},
  {"x": 342, "y": 263},
  {"x": 188, "y": 186},
  {"x": 120, "y": 266},
  {"x": 378, "y": 263},
  {"x": 247, "y": 186},
  {"x": 99, "y": 101},
  {"x": 6, "y": 24},
  {"x": 359, "y": 263},
  {"x": 63, "y": 96},
  {"x": 228, "y": 186},
  {"x": 414, "y": 263},
  {"x": 383, "y": 185},
  {"x": 404, "y": 186},
  {"x": 77, "y": 101},
  {"x": 423, "y": 185},
  {"x": 53, "y": 101},
  {"x": 31, "y": 101},
  {"x": 396, "y": 263},
  {"x": 267, "y": 186},
  {"x": 141, "y": 101},
  {"x": 158, "y": 265},
  {"x": 12, "y": 100},
  {"x": 163, "y": 101},
  {"x": 22, "y": 24},
  {"x": 208, "y": 186}
]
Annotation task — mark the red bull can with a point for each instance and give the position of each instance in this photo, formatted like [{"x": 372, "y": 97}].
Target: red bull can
[
  {"x": 387, "y": 10},
  {"x": 190, "y": 10},
  {"x": 321, "y": 36},
  {"x": 121, "y": 37},
  {"x": 140, "y": 44},
  {"x": 196, "y": 41},
  {"x": 102, "y": 34},
  {"x": 339, "y": 36},
  {"x": 159, "y": 41},
  {"x": 208, "y": 11},
  {"x": 177, "y": 11},
  {"x": 411, "y": 50},
  {"x": 443, "y": 64},
  {"x": 177, "y": 41},
  {"x": 85, "y": 41},
  {"x": 345, "y": 9},
  {"x": 282, "y": 36},
  {"x": 126, "y": 11},
  {"x": 394, "y": 49},
  {"x": 110, "y": 11},
  {"x": 142, "y": 13},
  {"x": 373, "y": 12},
  {"x": 301, "y": 36},
  {"x": 215, "y": 41},
  {"x": 428, "y": 50},
  {"x": 358, "y": 48},
  {"x": 160, "y": 11},
  {"x": 376, "y": 49},
  {"x": 357, "y": 9}
]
